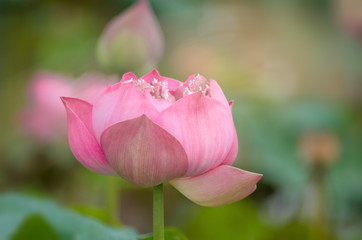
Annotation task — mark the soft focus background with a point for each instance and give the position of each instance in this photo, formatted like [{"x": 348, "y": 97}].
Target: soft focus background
[{"x": 294, "y": 69}]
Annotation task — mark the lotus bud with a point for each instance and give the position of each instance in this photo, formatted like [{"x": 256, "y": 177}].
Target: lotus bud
[
  {"x": 132, "y": 40},
  {"x": 43, "y": 118}
]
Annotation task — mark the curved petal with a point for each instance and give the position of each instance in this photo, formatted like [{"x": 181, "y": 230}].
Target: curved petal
[
  {"x": 143, "y": 153},
  {"x": 128, "y": 76},
  {"x": 118, "y": 103},
  {"x": 196, "y": 83},
  {"x": 217, "y": 93},
  {"x": 180, "y": 90},
  {"x": 189, "y": 78},
  {"x": 220, "y": 186},
  {"x": 173, "y": 84},
  {"x": 159, "y": 104},
  {"x": 204, "y": 127},
  {"x": 230, "y": 158},
  {"x": 82, "y": 141}
]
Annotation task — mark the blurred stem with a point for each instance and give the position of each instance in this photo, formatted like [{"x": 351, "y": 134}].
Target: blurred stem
[
  {"x": 158, "y": 219},
  {"x": 319, "y": 223},
  {"x": 113, "y": 200}
]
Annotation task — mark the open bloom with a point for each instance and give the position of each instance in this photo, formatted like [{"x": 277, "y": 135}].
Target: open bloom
[
  {"x": 132, "y": 40},
  {"x": 156, "y": 129},
  {"x": 44, "y": 117}
]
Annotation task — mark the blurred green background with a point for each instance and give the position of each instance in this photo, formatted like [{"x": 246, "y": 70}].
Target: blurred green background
[{"x": 294, "y": 69}]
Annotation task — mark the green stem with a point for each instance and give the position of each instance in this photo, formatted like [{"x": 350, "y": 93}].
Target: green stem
[
  {"x": 113, "y": 201},
  {"x": 158, "y": 219}
]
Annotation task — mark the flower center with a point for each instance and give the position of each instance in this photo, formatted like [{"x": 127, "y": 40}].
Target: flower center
[
  {"x": 198, "y": 84},
  {"x": 157, "y": 89}
]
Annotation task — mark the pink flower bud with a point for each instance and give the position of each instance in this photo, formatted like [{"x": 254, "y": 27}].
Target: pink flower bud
[
  {"x": 44, "y": 117},
  {"x": 132, "y": 40},
  {"x": 349, "y": 17},
  {"x": 319, "y": 148},
  {"x": 156, "y": 129}
]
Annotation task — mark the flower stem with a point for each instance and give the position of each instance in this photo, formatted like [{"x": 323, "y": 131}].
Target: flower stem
[
  {"x": 113, "y": 201},
  {"x": 158, "y": 219}
]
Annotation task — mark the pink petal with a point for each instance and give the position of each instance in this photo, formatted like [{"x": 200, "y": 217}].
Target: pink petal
[
  {"x": 82, "y": 141},
  {"x": 196, "y": 82},
  {"x": 191, "y": 77},
  {"x": 204, "y": 127},
  {"x": 143, "y": 153},
  {"x": 230, "y": 158},
  {"x": 128, "y": 76},
  {"x": 173, "y": 84},
  {"x": 200, "y": 79},
  {"x": 220, "y": 186},
  {"x": 217, "y": 93},
  {"x": 118, "y": 103},
  {"x": 179, "y": 91},
  {"x": 159, "y": 104}
]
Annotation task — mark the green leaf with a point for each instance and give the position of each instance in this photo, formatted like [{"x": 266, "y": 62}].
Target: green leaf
[
  {"x": 35, "y": 227},
  {"x": 9, "y": 223},
  {"x": 171, "y": 233},
  {"x": 93, "y": 232},
  {"x": 68, "y": 224},
  {"x": 91, "y": 211}
]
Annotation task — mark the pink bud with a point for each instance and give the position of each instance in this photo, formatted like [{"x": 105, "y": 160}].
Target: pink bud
[
  {"x": 44, "y": 117},
  {"x": 319, "y": 148},
  {"x": 349, "y": 17},
  {"x": 132, "y": 40},
  {"x": 141, "y": 131}
]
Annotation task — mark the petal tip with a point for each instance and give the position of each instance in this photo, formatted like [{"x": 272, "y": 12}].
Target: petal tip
[
  {"x": 65, "y": 101},
  {"x": 220, "y": 186},
  {"x": 128, "y": 76},
  {"x": 154, "y": 73},
  {"x": 154, "y": 70}
]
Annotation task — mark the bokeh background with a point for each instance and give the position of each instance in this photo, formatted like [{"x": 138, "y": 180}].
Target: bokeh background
[{"x": 294, "y": 69}]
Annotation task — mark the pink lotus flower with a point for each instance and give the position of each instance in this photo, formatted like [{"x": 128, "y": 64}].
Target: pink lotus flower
[
  {"x": 156, "y": 129},
  {"x": 44, "y": 118},
  {"x": 132, "y": 40}
]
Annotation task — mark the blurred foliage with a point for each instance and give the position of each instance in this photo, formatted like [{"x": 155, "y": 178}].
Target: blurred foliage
[
  {"x": 171, "y": 233},
  {"x": 289, "y": 68},
  {"x": 35, "y": 227},
  {"x": 234, "y": 221},
  {"x": 272, "y": 134},
  {"x": 34, "y": 218}
]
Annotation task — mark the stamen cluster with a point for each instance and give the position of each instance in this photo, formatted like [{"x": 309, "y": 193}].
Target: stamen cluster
[
  {"x": 198, "y": 84},
  {"x": 159, "y": 89}
]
